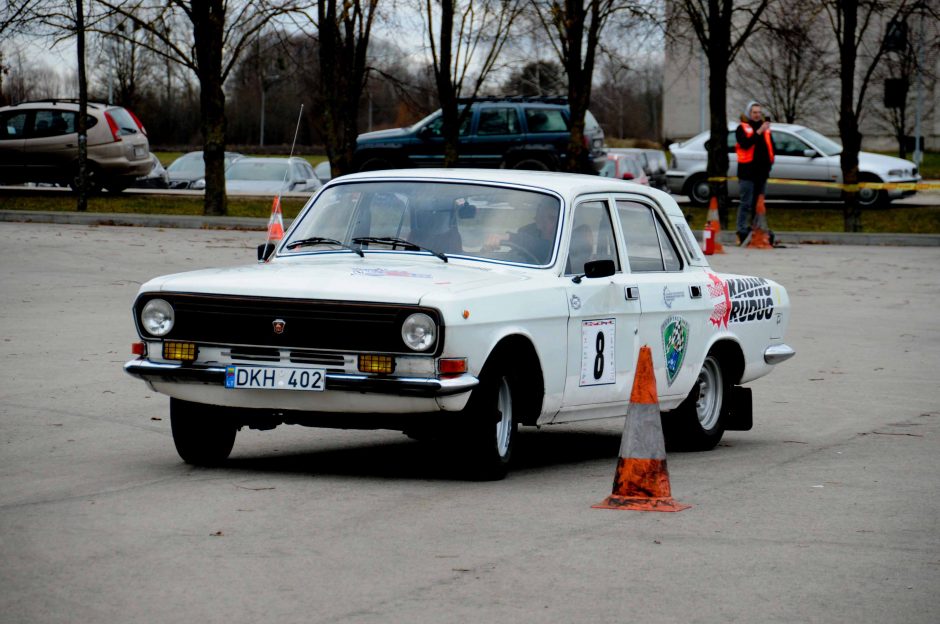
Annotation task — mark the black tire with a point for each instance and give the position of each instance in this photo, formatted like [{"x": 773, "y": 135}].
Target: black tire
[
  {"x": 492, "y": 415},
  {"x": 202, "y": 435},
  {"x": 531, "y": 164},
  {"x": 93, "y": 180},
  {"x": 871, "y": 198},
  {"x": 697, "y": 190},
  {"x": 699, "y": 422},
  {"x": 375, "y": 163}
]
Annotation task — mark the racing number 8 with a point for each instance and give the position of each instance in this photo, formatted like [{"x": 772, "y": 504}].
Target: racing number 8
[{"x": 599, "y": 355}]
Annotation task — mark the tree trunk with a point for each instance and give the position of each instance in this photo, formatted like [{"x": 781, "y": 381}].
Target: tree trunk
[
  {"x": 208, "y": 27},
  {"x": 81, "y": 123},
  {"x": 446, "y": 90},
  {"x": 717, "y": 166},
  {"x": 848, "y": 122}
]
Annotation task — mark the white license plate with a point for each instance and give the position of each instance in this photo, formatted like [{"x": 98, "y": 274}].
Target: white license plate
[{"x": 273, "y": 378}]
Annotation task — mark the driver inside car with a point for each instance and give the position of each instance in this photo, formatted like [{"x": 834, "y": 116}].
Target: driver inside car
[{"x": 533, "y": 242}]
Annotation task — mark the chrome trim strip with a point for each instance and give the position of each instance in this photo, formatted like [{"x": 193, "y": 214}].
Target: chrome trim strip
[
  {"x": 775, "y": 354},
  {"x": 343, "y": 382}
]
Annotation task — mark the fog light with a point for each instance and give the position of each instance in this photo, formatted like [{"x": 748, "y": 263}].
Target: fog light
[
  {"x": 452, "y": 366},
  {"x": 376, "y": 364},
  {"x": 185, "y": 351}
]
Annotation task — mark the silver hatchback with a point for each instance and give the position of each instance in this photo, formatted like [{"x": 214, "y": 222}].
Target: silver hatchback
[{"x": 802, "y": 154}]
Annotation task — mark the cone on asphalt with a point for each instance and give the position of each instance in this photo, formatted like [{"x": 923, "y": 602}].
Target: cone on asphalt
[
  {"x": 712, "y": 228},
  {"x": 760, "y": 232},
  {"x": 641, "y": 482},
  {"x": 276, "y": 222}
]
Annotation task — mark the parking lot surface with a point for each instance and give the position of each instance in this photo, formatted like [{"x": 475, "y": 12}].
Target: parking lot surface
[{"x": 827, "y": 511}]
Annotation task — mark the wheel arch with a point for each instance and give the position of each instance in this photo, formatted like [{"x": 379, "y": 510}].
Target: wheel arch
[
  {"x": 730, "y": 356},
  {"x": 527, "y": 364}
]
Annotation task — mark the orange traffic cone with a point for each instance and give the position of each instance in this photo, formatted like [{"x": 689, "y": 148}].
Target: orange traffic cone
[
  {"x": 641, "y": 482},
  {"x": 760, "y": 232},
  {"x": 712, "y": 228},
  {"x": 276, "y": 222}
]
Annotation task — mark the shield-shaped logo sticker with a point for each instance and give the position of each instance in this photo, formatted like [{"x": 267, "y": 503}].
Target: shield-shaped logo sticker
[{"x": 675, "y": 331}]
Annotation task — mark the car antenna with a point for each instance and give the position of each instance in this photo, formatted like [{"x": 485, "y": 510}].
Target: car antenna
[{"x": 277, "y": 199}]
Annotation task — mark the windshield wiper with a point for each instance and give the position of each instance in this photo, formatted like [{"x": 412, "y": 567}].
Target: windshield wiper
[
  {"x": 398, "y": 242},
  {"x": 319, "y": 240}
]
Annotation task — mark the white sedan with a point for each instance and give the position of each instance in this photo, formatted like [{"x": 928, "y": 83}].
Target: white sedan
[{"x": 461, "y": 302}]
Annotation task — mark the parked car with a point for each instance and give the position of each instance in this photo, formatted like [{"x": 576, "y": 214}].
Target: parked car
[
  {"x": 461, "y": 303},
  {"x": 510, "y": 133},
  {"x": 323, "y": 171},
  {"x": 39, "y": 143},
  {"x": 654, "y": 164},
  {"x": 189, "y": 170},
  {"x": 801, "y": 153},
  {"x": 269, "y": 176},
  {"x": 157, "y": 177},
  {"x": 625, "y": 167}
]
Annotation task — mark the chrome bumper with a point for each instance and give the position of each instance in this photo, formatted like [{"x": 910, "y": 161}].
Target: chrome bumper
[
  {"x": 778, "y": 353},
  {"x": 344, "y": 382}
]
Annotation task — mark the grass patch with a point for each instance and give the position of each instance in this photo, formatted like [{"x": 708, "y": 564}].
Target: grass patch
[{"x": 895, "y": 220}]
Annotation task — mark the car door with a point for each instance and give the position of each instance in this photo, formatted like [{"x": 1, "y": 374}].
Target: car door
[
  {"x": 792, "y": 163},
  {"x": 51, "y": 146},
  {"x": 428, "y": 149},
  {"x": 673, "y": 315},
  {"x": 498, "y": 131},
  {"x": 603, "y": 321},
  {"x": 12, "y": 132}
]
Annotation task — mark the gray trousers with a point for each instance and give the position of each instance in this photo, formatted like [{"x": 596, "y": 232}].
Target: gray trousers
[{"x": 750, "y": 190}]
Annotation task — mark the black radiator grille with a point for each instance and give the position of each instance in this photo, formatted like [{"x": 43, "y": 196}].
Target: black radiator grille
[{"x": 308, "y": 324}]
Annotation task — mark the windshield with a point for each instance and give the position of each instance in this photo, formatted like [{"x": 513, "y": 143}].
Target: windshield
[
  {"x": 271, "y": 170},
  {"x": 465, "y": 220},
  {"x": 827, "y": 146}
]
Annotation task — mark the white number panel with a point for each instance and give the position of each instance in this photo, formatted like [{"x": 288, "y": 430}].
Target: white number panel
[{"x": 598, "y": 339}]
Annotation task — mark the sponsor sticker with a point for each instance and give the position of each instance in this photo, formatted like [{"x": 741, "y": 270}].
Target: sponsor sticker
[
  {"x": 675, "y": 330},
  {"x": 388, "y": 273},
  {"x": 598, "y": 339},
  {"x": 719, "y": 299},
  {"x": 751, "y": 299},
  {"x": 671, "y": 295}
]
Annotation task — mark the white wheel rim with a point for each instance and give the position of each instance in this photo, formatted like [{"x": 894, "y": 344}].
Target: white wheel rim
[
  {"x": 504, "y": 426},
  {"x": 710, "y": 394}
]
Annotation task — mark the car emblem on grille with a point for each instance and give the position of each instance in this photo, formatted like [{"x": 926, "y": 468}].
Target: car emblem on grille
[{"x": 279, "y": 325}]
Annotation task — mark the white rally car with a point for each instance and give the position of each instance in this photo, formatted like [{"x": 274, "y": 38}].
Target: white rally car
[{"x": 463, "y": 302}]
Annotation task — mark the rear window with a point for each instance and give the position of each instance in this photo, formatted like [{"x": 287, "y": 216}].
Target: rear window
[
  {"x": 126, "y": 124},
  {"x": 545, "y": 120}
]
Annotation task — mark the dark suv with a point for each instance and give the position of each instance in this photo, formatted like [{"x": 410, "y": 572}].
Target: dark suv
[{"x": 512, "y": 132}]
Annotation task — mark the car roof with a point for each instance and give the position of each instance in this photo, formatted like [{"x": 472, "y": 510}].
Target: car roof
[{"x": 568, "y": 185}]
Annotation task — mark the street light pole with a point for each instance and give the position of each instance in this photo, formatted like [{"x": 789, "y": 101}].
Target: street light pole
[{"x": 918, "y": 152}]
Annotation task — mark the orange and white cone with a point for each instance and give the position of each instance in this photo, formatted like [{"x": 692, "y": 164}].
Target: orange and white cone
[
  {"x": 712, "y": 228},
  {"x": 276, "y": 222},
  {"x": 760, "y": 231},
  {"x": 641, "y": 482}
]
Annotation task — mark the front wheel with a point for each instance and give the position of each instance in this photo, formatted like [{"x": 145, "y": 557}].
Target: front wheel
[
  {"x": 699, "y": 422},
  {"x": 872, "y": 198},
  {"x": 698, "y": 190},
  {"x": 492, "y": 428},
  {"x": 202, "y": 435}
]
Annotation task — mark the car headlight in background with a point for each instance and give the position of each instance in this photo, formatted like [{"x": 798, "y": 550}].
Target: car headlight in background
[
  {"x": 419, "y": 332},
  {"x": 198, "y": 184},
  {"x": 157, "y": 317},
  {"x": 896, "y": 172}
]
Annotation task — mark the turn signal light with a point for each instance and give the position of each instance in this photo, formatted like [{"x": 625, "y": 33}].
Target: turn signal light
[
  {"x": 185, "y": 351},
  {"x": 138, "y": 348},
  {"x": 376, "y": 364},
  {"x": 452, "y": 366}
]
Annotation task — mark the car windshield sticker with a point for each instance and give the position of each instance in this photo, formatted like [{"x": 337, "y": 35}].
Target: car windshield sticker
[
  {"x": 719, "y": 300},
  {"x": 388, "y": 273},
  {"x": 598, "y": 339},
  {"x": 751, "y": 299},
  {"x": 675, "y": 342},
  {"x": 671, "y": 295}
]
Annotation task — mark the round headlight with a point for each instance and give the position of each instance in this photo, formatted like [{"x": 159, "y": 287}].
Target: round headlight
[
  {"x": 419, "y": 332},
  {"x": 157, "y": 317}
]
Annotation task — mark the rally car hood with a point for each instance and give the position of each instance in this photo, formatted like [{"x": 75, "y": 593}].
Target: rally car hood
[{"x": 340, "y": 277}]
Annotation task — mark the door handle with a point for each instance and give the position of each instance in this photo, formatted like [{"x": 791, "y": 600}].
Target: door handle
[
  {"x": 695, "y": 292},
  {"x": 631, "y": 293}
]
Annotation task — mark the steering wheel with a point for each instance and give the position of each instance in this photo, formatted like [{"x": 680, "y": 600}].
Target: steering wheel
[{"x": 523, "y": 251}]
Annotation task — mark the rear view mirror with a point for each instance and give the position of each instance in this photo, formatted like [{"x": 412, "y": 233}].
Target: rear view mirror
[
  {"x": 466, "y": 210},
  {"x": 424, "y": 133},
  {"x": 265, "y": 251}
]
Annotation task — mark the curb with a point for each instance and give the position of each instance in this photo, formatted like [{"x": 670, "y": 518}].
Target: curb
[{"x": 260, "y": 224}]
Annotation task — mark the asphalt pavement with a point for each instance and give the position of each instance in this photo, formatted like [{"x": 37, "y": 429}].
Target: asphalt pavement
[{"x": 827, "y": 511}]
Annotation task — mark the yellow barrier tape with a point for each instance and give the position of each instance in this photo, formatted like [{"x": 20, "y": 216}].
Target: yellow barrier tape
[{"x": 880, "y": 186}]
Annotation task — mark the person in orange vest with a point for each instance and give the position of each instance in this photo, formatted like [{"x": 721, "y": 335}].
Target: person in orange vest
[{"x": 755, "y": 152}]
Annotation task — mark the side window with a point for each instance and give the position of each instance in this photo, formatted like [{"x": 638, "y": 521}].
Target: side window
[
  {"x": 592, "y": 237},
  {"x": 787, "y": 144},
  {"x": 545, "y": 120},
  {"x": 498, "y": 121},
  {"x": 436, "y": 125},
  {"x": 12, "y": 125},
  {"x": 49, "y": 123},
  {"x": 732, "y": 141},
  {"x": 648, "y": 246}
]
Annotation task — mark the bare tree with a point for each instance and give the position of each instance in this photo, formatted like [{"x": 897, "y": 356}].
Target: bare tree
[
  {"x": 207, "y": 37},
  {"x": 793, "y": 57},
  {"x": 859, "y": 28},
  {"x": 465, "y": 39},
  {"x": 722, "y": 27}
]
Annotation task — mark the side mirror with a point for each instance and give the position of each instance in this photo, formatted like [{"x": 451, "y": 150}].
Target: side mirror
[
  {"x": 265, "y": 250},
  {"x": 809, "y": 153},
  {"x": 628, "y": 176},
  {"x": 599, "y": 268},
  {"x": 424, "y": 133}
]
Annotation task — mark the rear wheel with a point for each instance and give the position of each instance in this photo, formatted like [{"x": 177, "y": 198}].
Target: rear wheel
[
  {"x": 698, "y": 190},
  {"x": 93, "y": 180},
  {"x": 698, "y": 423},
  {"x": 375, "y": 163},
  {"x": 531, "y": 164},
  {"x": 201, "y": 433}
]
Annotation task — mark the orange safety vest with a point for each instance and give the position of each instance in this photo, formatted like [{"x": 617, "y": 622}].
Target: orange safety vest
[{"x": 747, "y": 155}]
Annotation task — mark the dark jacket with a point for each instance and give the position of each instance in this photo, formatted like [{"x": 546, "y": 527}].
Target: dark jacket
[{"x": 759, "y": 168}]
